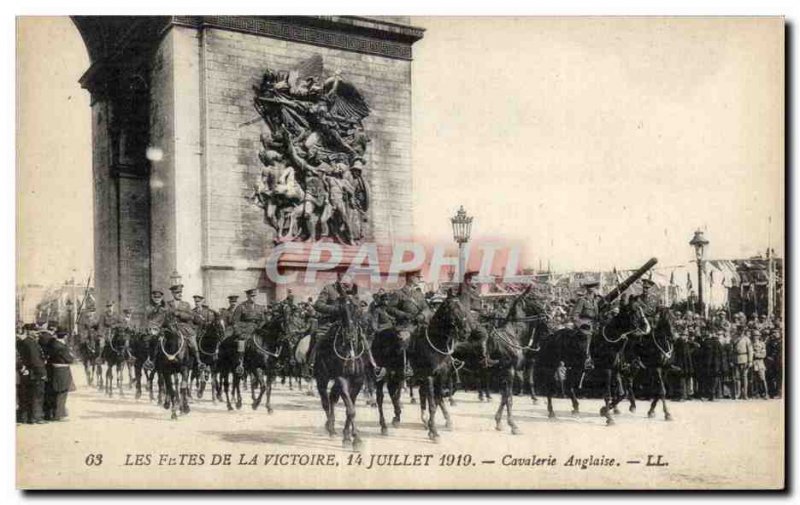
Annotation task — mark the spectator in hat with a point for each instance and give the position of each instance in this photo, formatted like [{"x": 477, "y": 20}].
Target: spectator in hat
[
  {"x": 774, "y": 363},
  {"x": 33, "y": 375},
  {"x": 59, "y": 378},
  {"x": 743, "y": 349},
  {"x": 759, "y": 367}
]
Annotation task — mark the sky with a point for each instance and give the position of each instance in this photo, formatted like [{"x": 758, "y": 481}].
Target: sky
[{"x": 595, "y": 143}]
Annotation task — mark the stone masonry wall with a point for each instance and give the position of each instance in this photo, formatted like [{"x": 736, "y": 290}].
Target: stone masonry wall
[{"x": 236, "y": 239}]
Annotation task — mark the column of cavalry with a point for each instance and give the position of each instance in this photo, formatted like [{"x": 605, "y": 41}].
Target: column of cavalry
[{"x": 400, "y": 340}]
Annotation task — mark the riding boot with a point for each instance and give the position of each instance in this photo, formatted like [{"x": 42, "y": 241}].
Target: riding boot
[{"x": 487, "y": 361}]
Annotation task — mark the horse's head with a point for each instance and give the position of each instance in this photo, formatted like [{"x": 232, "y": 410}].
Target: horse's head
[
  {"x": 528, "y": 309},
  {"x": 451, "y": 317}
]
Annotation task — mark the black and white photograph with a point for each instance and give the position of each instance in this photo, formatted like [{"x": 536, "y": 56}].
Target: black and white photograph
[{"x": 343, "y": 252}]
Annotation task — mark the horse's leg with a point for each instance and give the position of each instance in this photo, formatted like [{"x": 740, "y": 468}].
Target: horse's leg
[
  {"x": 350, "y": 409},
  {"x": 379, "y": 400},
  {"x": 262, "y": 387},
  {"x": 654, "y": 401},
  {"x": 270, "y": 380},
  {"x": 498, "y": 415},
  {"x": 225, "y": 384},
  {"x": 529, "y": 373},
  {"x": 430, "y": 391},
  {"x": 322, "y": 388},
  {"x": 410, "y": 386},
  {"x": 663, "y": 394},
  {"x": 137, "y": 379},
  {"x": 120, "y": 370},
  {"x": 185, "y": 390},
  {"x": 89, "y": 373},
  {"x": 394, "y": 386},
  {"x": 423, "y": 404},
  {"x": 448, "y": 421},
  {"x": 509, "y": 392},
  {"x": 574, "y": 386},
  {"x": 630, "y": 391}
]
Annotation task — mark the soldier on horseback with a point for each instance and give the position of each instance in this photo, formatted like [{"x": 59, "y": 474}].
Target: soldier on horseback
[
  {"x": 226, "y": 314},
  {"x": 247, "y": 317},
  {"x": 408, "y": 307},
  {"x": 585, "y": 315},
  {"x": 185, "y": 319},
  {"x": 470, "y": 299}
]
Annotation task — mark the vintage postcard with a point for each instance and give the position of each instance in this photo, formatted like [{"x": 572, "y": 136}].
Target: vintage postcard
[{"x": 369, "y": 253}]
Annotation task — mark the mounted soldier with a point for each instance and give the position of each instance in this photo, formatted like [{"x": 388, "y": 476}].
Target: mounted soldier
[
  {"x": 185, "y": 319},
  {"x": 226, "y": 314},
  {"x": 408, "y": 306},
  {"x": 585, "y": 315},
  {"x": 204, "y": 316},
  {"x": 470, "y": 298},
  {"x": 248, "y": 317}
]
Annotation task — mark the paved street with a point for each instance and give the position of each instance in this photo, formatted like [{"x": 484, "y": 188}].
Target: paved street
[{"x": 99, "y": 445}]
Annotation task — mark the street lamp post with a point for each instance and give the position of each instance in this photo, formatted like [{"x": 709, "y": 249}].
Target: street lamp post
[
  {"x": 462, "y": 226},
  {"x": 699, "y": 242}
]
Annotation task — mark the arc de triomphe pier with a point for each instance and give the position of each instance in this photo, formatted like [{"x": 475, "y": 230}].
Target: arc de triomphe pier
[{"x": 176, "y": 141}]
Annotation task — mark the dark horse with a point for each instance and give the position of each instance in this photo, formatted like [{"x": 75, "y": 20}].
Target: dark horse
[
  {"x": 431, "y": 355},
  {"x": 611, "y": 354},
  {"x": 261, "y": 355},
  {"x": 655, "y": 352},
  {"x": 115, "y": 353},
  {"x": 567, "y": 347},
  {"x": 230, "y": 364},
  {"x": 209, "y": 338},
  {"x": 142, "y": 347},
  {"x": 341, "y": 358},
  {"x": 388, "y": 349},
  {"x": 173, "y": 362},
  {"x": 511, "y": 345},
  {"x": 90, "y": 356}
]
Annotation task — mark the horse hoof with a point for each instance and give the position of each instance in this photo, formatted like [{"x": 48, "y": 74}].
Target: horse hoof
[
  {"x": 651, "y": 415},
  {"x": 230, "y": 407},
  {"x": 396, "y": 422},
  {"x": 603, "y": 411},
  {"x": 453, "y": 403},
  {"x": 166, "y": 406},
  {"x": 616, "y": 411},
  {"x": 358, "y": 445},
  {"x": 384, "y": 430},
  {"x": 632, "y": 409},
  {"x": 448, "y": 425},
  {"x": 480, "y": 399},
  {"x": 668, "y": 417},
  {"x": 269, "y": 410},
  {"x": 610, "y": 421},
  {"x": 413, "y": 401},
  {"x": 576, "y": 413},
  {"x": 346, "y": 444},
  {"x": 535, "y": 401},
  {"x": 255, "y": 406},
  {"x": 551, "y": 415},
  {"x": 498, "y": 426},
  {"x": 515, "y": 431},
  {"x": 174, "y": 416}
]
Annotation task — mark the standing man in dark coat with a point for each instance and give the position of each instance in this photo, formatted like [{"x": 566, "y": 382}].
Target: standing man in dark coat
[
  {"x": 33, "y": 374},
  {"x": 713, "y": 365},
  {"x": 59, "y": 378}
]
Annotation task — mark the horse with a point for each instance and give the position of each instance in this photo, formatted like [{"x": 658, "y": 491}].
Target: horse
[
  {"x": 654, "y": 351},
  {"x": 610, "y": 351},
  {"x": 173, "y": 362},
  {"x": 510, "y": 344},
  {"x": 208, "y": 340},
  {"x": 388, "y": 349},
  {"x": 568, "y": 347},
  {"x": 261, "y": 354},
  {"x": 430, "y": 353},
  {"x": 300, "y": 352},
  {"x": 115, "y": 353},
  {"x": 141, "y": 347},
  {"x": 229, "y": 363},
  {"x": 90, "y": 356},
  {"x": 340, "y": 357}
]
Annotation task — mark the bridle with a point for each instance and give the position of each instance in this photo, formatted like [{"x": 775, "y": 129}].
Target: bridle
[
  {"x": 264, "y": 351},
  {"x": 643, "y": 331},
  {"x": 172, "y": 357}
]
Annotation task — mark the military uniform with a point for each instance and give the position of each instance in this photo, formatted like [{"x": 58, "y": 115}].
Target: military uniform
[
  {"x": 226, "y": 315},
  {"x": 409, "y": 309},
  {"x": 33, "y": 378},
  {"x": 247, "y": 317},
  {"x": 185, "y": 320},
  {"x": 59, "y": 379},
  {"x": 470, "y": 300}
]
